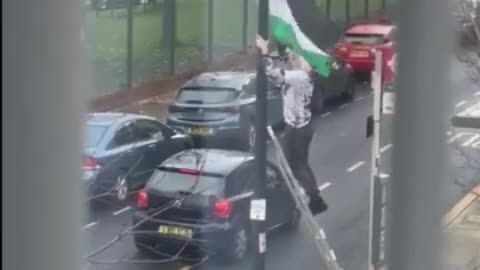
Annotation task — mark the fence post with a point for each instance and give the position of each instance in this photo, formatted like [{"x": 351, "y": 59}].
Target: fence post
[
  {"x": 129, "y": 43},
  {"x": 172, "y": 40},
  {"x": 210, "y": 30},
  {"x": 347, "y": 11},
  {"x": 367, "y": 8},
  {"x": 328, "y": 8},
  {"x": 245, "y": 26},
  {"x": 384, "y": 5}
]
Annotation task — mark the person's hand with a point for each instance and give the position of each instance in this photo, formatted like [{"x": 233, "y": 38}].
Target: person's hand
[{"x": 262, "y": 44}]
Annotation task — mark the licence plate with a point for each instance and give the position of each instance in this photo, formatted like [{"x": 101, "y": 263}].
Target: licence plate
[
  {"x": 200, "y": 131},
  {"x": 175, "y": 231},
  {"x": 359, "y": 54}
]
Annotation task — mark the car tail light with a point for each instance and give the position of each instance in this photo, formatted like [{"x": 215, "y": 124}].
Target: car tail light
[
  {"x": 142, "y": 199},
  {"x": 222, "y": 209},
  {"x": 90, "y": 164}
]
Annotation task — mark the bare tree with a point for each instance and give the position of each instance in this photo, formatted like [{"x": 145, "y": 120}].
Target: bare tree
[{"x": 468, "y": 17}]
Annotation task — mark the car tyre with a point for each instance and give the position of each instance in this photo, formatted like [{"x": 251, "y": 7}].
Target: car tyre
[
  {"x": 239, "y": 247},
  {"x": 122, "y": 187},
  {"x": 350, "y": 91},
  {"x": 318, "y": 101},
  {"x": 293, "y": 221}
]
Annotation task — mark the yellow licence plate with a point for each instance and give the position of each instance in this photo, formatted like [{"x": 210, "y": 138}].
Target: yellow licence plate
[
  {"x": 175, "y": 231},
  {"x": 359, "y": 54},
  {"x": 200, "y": 131}
]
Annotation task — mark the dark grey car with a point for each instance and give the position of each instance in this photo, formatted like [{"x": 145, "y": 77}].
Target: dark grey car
[
  {"x": 121, "y": 151},
  {"x": 221, "y": 106}
]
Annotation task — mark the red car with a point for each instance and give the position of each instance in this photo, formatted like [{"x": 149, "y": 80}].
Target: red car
[{"x": 356, "y": 47}]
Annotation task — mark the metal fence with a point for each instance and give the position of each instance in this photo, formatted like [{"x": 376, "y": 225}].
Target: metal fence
[{"x": 131, "y": 42}]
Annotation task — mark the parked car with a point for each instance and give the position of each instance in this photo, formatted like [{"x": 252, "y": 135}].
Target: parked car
[
  {"x": 220, "y": 107},
  {"x": 357, "y": 45},
  {"x": 340, "y": 84},
  {"x": 199, "y": 200},
  {"x": 122, "y": 150}
]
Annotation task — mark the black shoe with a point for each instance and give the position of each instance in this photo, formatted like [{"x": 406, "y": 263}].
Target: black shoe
[{"x": 317, "y": 205}]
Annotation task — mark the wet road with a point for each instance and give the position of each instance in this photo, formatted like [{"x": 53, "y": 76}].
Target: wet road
[{"x": 340, "y": 157}]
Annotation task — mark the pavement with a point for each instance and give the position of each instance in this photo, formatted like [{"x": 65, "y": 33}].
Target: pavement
[
  {"x": 463, "y": 233},
  {"x": 340, "y": 157}
]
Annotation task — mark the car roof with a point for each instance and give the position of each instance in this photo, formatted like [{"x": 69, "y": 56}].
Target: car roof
[
  {"x": 376, "y": 29},
  {"x": 224, "y": 79},
  {"x": 113, "y": 118},
  {"x": 214, "y": 160}
]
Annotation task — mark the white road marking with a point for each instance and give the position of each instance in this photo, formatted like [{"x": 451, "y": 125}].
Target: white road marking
[
  {"x": 471, "y": 140},
  {"x": 460, "y": 104},
  {"x": 116, "y": 213},
  {"x": 356, "y": 166},
  {"x": 344, "y": 106},
  {"x": 326, "y": 114},
  {"x": 477, "y": 93},
  {"x": 89, "y": 225},
  {"x": 385, "y": 148},
  {"x": 324, "y": 186}
]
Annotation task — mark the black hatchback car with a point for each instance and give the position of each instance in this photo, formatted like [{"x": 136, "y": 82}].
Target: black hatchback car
[
  {"x": 200, "y": 199},
  {"x": 122, "y": 150},
  {"x": 221, "y": 106}
]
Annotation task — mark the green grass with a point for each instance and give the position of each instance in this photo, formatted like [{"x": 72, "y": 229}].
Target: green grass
[{"x": 107, "y": 38}]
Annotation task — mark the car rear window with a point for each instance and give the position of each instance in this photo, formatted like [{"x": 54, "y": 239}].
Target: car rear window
[
  {"x": 366, "y": 39},
  {"x": 207, "y": 95},
  {"x": 174, "y": 180},
  {"x": 94, "y": 134}
]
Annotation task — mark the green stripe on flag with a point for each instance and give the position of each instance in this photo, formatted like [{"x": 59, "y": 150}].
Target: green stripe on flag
[{"x": 284, "y": 33}]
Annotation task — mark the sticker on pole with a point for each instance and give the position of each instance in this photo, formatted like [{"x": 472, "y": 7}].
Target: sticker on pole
[
  {"x": 262, "y": 243},
  {"x": 388, "y": 103},
  {"x": 258, "y": 209}
]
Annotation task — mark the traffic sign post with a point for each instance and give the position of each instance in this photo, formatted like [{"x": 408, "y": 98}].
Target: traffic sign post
[{"x": 383, "y": 104}]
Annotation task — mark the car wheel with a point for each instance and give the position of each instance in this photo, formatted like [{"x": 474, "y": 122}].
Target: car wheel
[
  {"x": 238, "y": 249},
  {"x": 252, "y": 136},
  {"x": 318, "y": 101},
  {"x": 122, "y": 188},
  {"x": 294, "y": 220},
  {"x": 248, "y": 137},
  {"x": 349, "y": 93}
]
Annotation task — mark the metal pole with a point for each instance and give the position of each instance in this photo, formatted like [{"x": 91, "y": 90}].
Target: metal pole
[
  {"x": 261, "y": 140},
  {"x": 245, "y": 26},
  {"x": 44, "y": 93},
  {"x": 419, "y": 159},
  {"x": 210, "y": 20},
  {"x": 384, "y": 4},
  {"x": 129, "y": 43},
  {"x": 377, "y": 96}
]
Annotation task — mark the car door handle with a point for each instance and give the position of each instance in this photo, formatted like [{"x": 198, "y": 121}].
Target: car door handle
[{"x": 152, "y": 145}]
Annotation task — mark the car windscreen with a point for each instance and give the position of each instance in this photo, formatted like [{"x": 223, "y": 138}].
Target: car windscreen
[
  {"x": 94, "y": 134},
  {"x": 178, "y": 180},
  {"x": 365, "y": 39},
  {"x": 207, "y": 95}
]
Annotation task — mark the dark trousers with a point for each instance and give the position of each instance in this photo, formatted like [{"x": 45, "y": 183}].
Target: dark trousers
[{"x": 296, "y": 144}]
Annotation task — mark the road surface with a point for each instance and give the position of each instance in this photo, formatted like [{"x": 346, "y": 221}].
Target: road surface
[{"x": 340, "y": 157}]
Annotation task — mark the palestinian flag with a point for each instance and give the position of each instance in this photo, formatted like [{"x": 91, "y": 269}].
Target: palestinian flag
[{"x": 285, "y": 30}]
